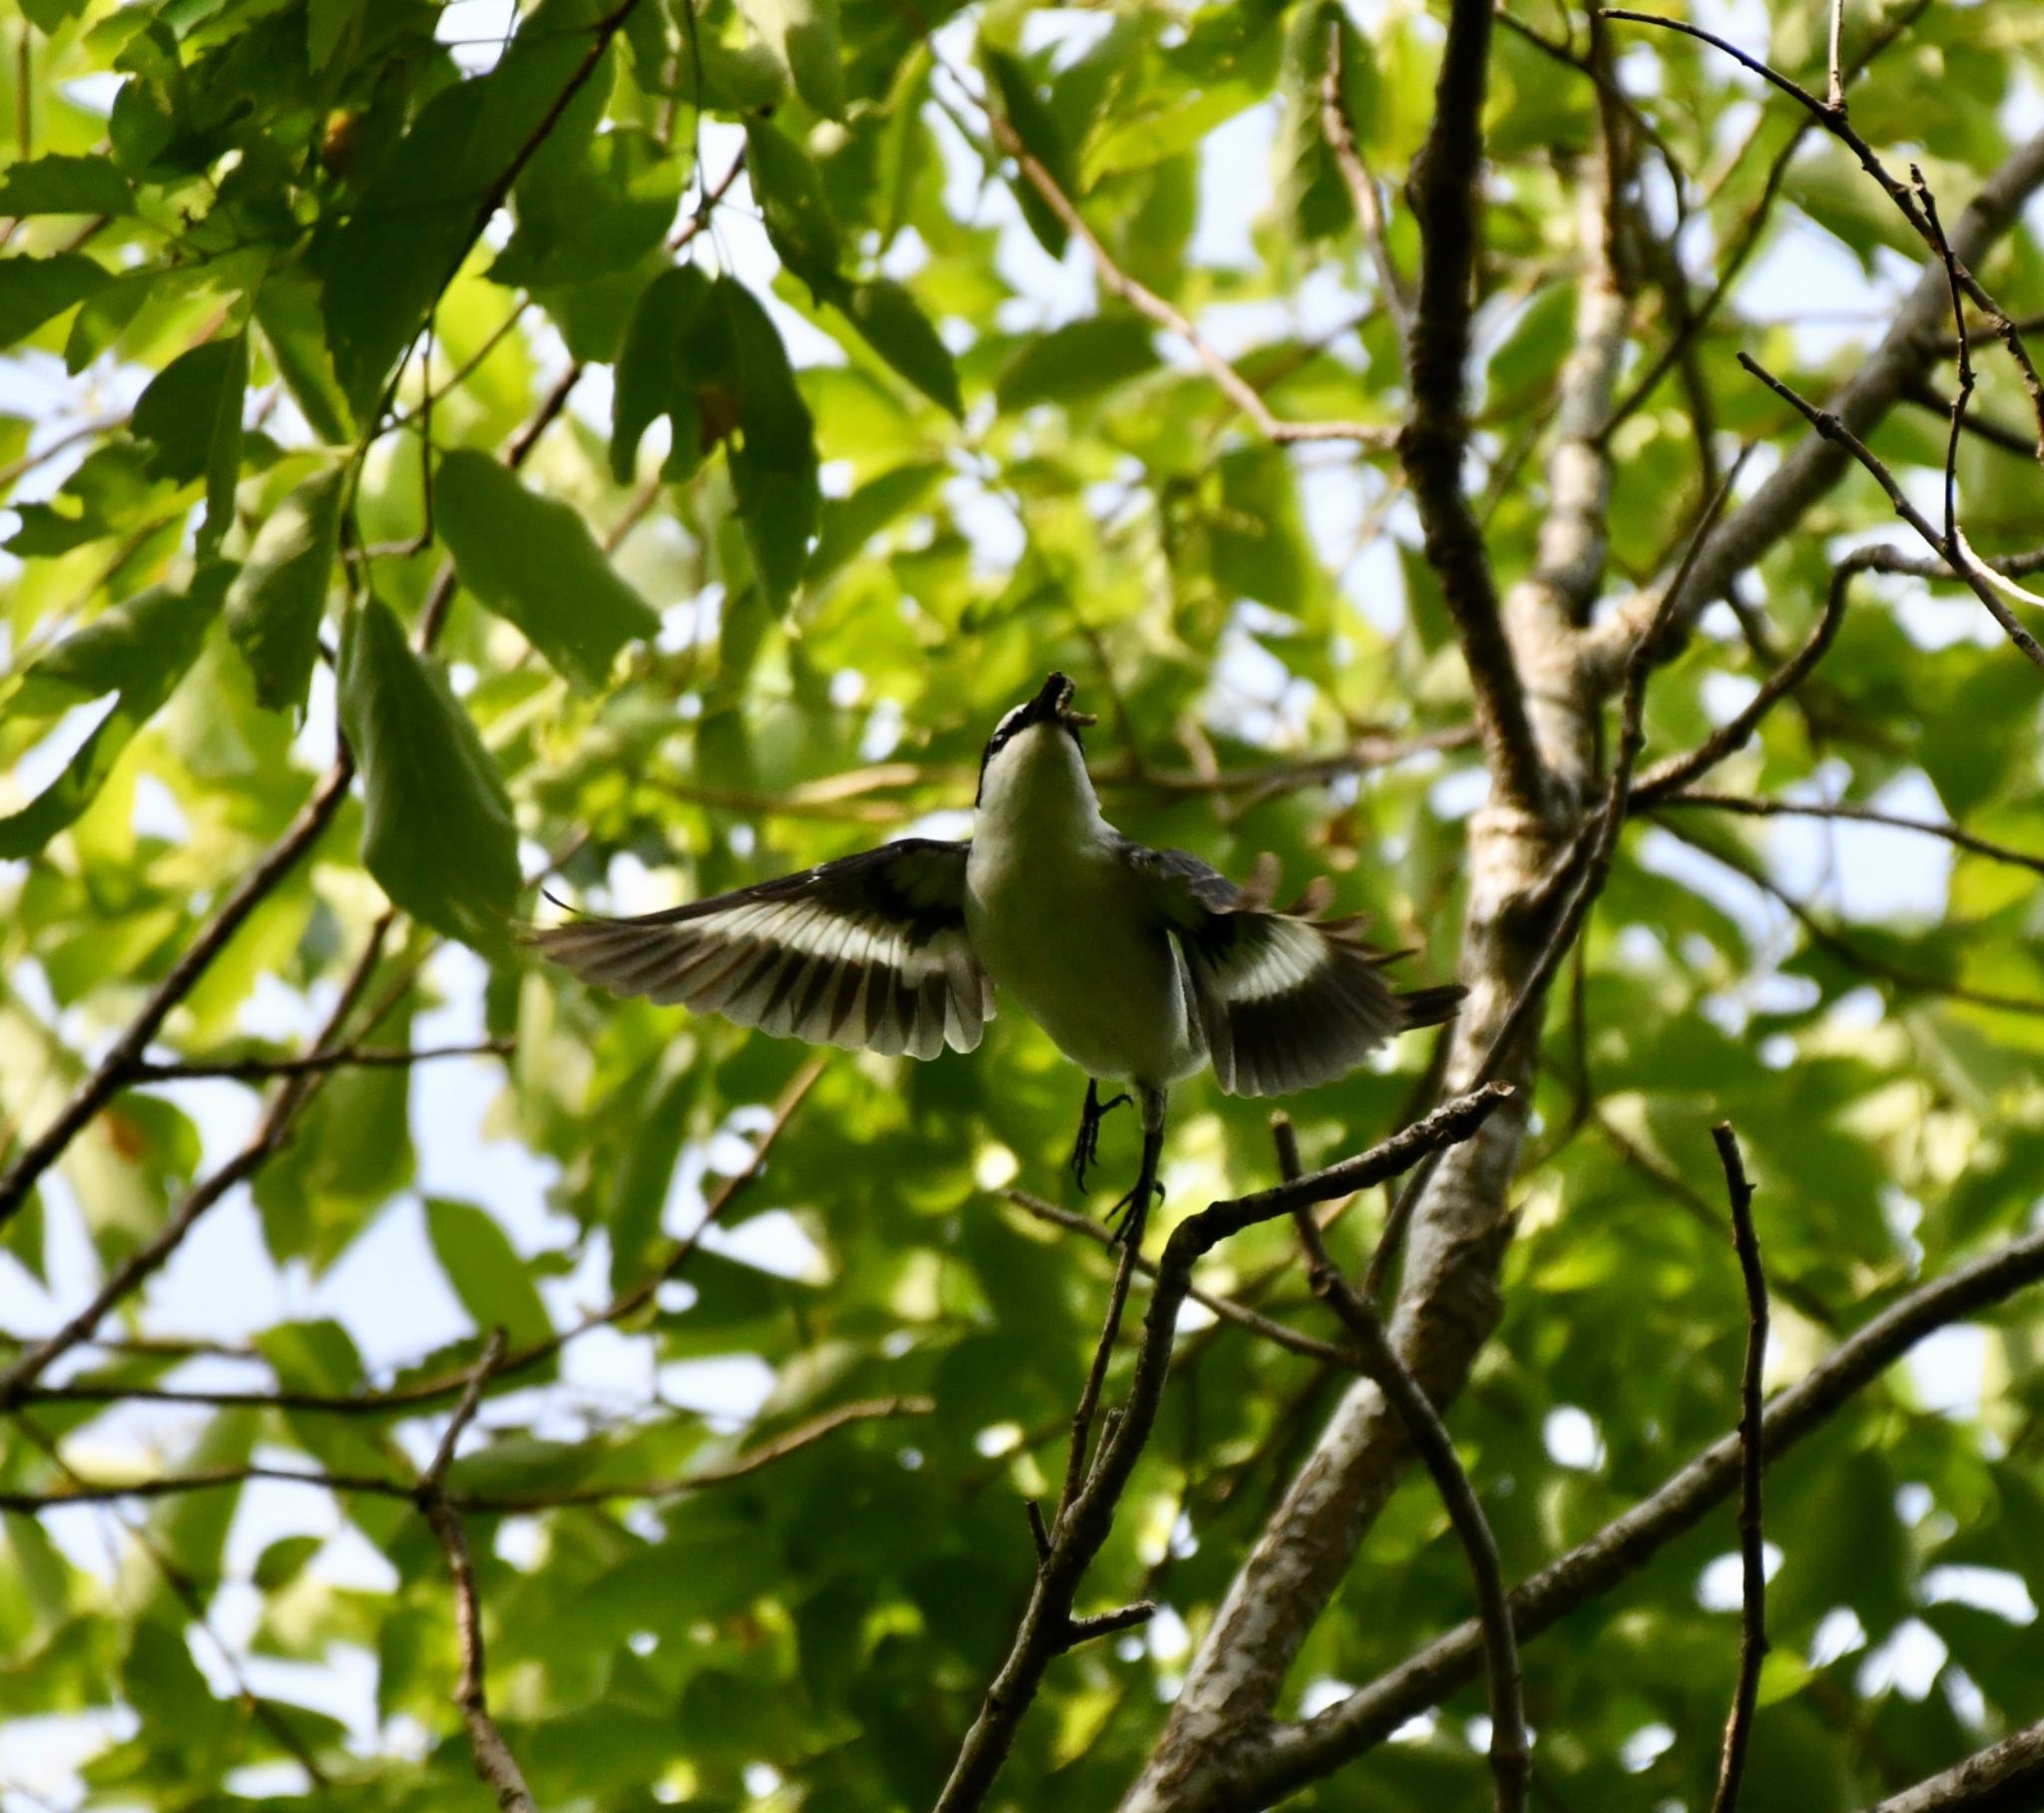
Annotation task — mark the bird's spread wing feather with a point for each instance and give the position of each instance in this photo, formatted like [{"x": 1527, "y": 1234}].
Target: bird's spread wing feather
[
  {"x": 868, "y": 952},
  {"x": 1286, "y": 1000}
]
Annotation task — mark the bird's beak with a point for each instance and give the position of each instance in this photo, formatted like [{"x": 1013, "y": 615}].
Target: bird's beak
[{"x": 1058, "y": 693}]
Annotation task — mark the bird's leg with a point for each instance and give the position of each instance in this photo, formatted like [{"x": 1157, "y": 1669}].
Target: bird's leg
[
  {"x": 1086, "y": 1148},
  {"x": 1134, "y": 1209}
]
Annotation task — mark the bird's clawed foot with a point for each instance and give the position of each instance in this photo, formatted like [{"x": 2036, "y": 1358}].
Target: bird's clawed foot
[
  {"x": 1086, "y": 1148},
  {"x": 1127, "y": 1219}
]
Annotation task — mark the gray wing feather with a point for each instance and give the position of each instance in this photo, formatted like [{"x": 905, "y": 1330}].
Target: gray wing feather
[
  {"x": 869, "y": 952},
  {"x": 1285, "y": 1001}
]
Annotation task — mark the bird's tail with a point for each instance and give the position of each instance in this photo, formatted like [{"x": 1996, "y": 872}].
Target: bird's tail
[{"x": 1433, "y": 1007}]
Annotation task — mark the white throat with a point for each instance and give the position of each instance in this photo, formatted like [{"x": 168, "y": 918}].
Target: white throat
[{"x": 1036, "y": 788}]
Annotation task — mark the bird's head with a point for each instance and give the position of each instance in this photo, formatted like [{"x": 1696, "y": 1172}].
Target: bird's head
[{"x": 1039, "y": 736}]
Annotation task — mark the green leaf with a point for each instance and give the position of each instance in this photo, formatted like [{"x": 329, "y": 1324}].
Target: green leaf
[
  {"x": 288, "y": 311},
  {"x": 138, "y": 651},
  {"x": 1077, "y": 361},
  {"x": 894, "y": 326},
  {"x": 437, "y": 832},
  {"x": 707, "y": 355},
  {"x": 533, "y": 561},
  {"x": 596, "y": 216},
  {"x": 279, "y": 599},
  {"x": 650, "y": 382},
  {"x": 284, "y": 1559},
  {"x": 803, "y": 35},
  {"x": 404, "y": 241},
  {"x": 486, "y": 1272},
  {"x": 34, "y": 290},
  {"x": 191, "y": 415},
  {"x": 774, "y": 459},
  {"x": 59, "y": 185},
  {"x": 1044, "y": 138},
  {"x": 797, "y": 211}
]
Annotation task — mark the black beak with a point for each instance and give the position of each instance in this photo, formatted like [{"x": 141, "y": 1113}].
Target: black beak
[{"x": 1054, "y": 703}]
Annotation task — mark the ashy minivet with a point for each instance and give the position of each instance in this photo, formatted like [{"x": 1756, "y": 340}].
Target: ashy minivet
[{"x": 1142, "y": 965}]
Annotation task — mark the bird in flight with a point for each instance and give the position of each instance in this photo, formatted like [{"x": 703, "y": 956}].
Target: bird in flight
[{"x": 1144, "y": 966}]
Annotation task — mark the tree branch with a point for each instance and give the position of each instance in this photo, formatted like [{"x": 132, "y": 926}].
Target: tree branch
[
  {"x": 354, "y": 1056},
  {"x": 1153, "y": 308},
  {"x": 1445, "y": 192},
  {"x": 2003, "y": 1778},
  {"x": 1303, "y": 1752},
  {"x": 1752, "y": 1621},
  {"x": 1510, "y": 1752},
  {"x": 1046, "y": 1630}
]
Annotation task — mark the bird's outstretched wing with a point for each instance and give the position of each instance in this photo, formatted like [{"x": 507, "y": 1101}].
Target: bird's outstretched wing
[
  {"x": 868, "y": 952},
  {"x": 1287, "y": 1000}
]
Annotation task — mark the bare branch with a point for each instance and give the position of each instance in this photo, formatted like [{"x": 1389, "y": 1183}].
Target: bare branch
[
  {"x": 1841, "y": 947},
  {"x": 1446, "y": 203},
  {"x": 1663, "y": 778},
  {"x": 1305, "y": 1751},
  {"x": 1228, "y": 1309},
  {"x": 176, "y": 1485},
  {"x": 1979, "y": 578},
  {"x": 354, "y": 1056},
  {"x": 425, "y": 1392},
  {"x": 1510, "y": 1752},
  {"x": 111, "y": 1075},
  {"x": 1953, "y": 834},
  {"x": 1815, "y": 464},
  {"x": 270, "y": 1135},
  {"x": 1152, "y": 306},
  {"x": 1999, "y": 1779},
  {"x": 1047, "y": 1624},
  {"x": 1752, "y": 1621},
  {"x": 1363, "y": 190}
]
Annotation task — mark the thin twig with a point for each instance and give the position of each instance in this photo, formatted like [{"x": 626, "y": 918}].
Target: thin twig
[
  {"x": 1510, "y": 1751},
  {"x": 270, "y": 1135},
  {"x": 1226, "y": 1309},
  {"x": 1955, "y": 835},
  {"x": 1984, "y": 582},
  {"x": 1753, "y": 1621},
  {"x": 263, "y": 1070},
  {"x": 1363, "y": 190},
  {"x": 1667, "y": 777},
  {"x": 1048, "y": 1629},
  {"x": 1587, "y": 863},
  {"x": 371, "y": 1485},
  {"x": 423, "y": 1393},
  {"x": 1148, "y": 304},
  {"x": 1305, "y": 1751}
]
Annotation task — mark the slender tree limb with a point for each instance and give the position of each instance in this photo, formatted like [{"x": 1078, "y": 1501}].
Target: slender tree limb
[
  {"x": 1953, "y": 834},
  {"x": 1977, "y": 576},
  {"x": 1829, "y": 938},
  {"x": 1362, "y": 191},
  {"x": 161, "y": 1486},
  {"x": 1153, "y": 308},
  {"x": 270, "y": 1135},
  {"x": 424, "y": 1393},
  {"x": 1667, "y": 777},
  {"x": 1447, "y": 203},
  {"x": 1046, "y": 1630},
  {"x": 1226, "y": 1309},
  {"x": 1295, "y": 1754},
  {"x": 354, "y": 1056},
  {"x": 2003, "y": 1778},
  {"x": 1510, "y": 1751},
  {"x": 1815, "y": 464},
  {"x": 111, "y": 1075},
  {"x": 1752, "y": 1621}
]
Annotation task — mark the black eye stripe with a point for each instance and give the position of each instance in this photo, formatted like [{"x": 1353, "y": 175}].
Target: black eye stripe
[{"x": 1004, "y": 733}]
